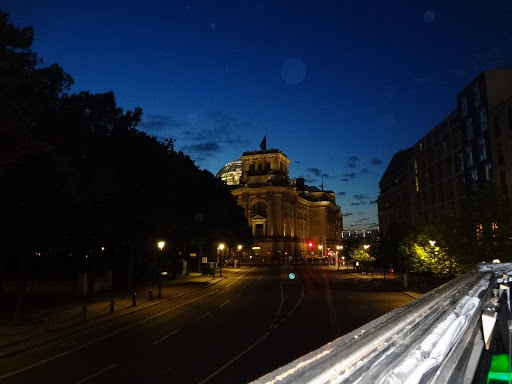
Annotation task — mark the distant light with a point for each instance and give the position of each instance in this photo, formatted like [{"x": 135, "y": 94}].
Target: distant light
[
  {"x": 161, "y": 244},
  {"x": 496, "y": 261},
  {"x": 164, "y": 273},
  {"x": 291, "y": 275},
  {"x": 432, "y": 242}
]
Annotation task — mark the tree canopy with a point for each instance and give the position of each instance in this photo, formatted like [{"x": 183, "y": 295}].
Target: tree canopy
[{"x": 77, "y": 174}]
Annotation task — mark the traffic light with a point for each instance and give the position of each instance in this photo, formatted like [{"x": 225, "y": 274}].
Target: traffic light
[{"x": 310, "y": 244}]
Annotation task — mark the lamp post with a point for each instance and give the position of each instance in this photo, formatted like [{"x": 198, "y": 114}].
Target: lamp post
[
  {"x": 365, "y": 246},
  {"x": 338, "y": 248},
  {"x": 161, "y": 245},
  {"x": 321, "y": 251},
  {"x": 239, "y": 254},
  {"x": 221, "y": 248},
  {"x": 433, "y": 245}
]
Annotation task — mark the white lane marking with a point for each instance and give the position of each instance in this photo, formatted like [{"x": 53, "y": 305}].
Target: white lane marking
[
  {"x": 240, "y": 294},
  {"x": 96, "y": 374},
  {"x": 240, "y": 277},
  {"x": 165, "y": 337},
  {"x": 260, "y": 276},
  {"x": 225, "y": 303},
  {"x": 200, "y": 317},
  {"x": 234, "y": 359},
  {"x": 44, "y": 361}
]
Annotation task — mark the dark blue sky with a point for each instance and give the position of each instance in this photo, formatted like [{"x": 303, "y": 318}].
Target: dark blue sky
[{"x": 340, "y": 86}]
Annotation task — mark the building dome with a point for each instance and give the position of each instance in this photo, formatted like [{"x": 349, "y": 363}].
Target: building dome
[{"x": 231, "y": 172}]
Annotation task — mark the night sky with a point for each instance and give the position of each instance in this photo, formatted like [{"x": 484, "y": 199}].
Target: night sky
[{"x": 339, "y": 86}]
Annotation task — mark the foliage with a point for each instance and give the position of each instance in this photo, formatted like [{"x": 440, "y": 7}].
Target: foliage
[
  {"x": 419, "y": 255},
  {"x": 361, "y": 254},
  {"x": 76, "y": 174}
]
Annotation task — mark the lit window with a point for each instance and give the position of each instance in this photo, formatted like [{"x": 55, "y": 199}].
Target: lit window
[
  {"x": 479, "y": 231},
  {"x": 494, "y": 226},
  {"x": 483, "y": 120},
  {"x": 482, "y": 149}
]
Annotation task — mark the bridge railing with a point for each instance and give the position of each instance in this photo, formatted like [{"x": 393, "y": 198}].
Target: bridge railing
[{"x": 435, "y": 338}]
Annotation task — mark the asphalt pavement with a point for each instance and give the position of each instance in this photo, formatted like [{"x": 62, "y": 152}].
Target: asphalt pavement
[{"x": 57, "y": 318}]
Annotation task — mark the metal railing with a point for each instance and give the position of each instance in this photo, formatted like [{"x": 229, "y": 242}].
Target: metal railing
[{"x": 433, "y": 339}]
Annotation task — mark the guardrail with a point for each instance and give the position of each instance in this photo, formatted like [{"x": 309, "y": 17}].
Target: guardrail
[{"x": 433, "y": 339}]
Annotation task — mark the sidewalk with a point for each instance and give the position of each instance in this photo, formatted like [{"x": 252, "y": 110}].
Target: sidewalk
[
  {"x": 67, "y": 316},
  {"x": 379, "y": 275}
]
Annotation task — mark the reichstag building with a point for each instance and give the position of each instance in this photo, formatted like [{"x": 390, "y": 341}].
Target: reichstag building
[{"x": 288, "y": 218}]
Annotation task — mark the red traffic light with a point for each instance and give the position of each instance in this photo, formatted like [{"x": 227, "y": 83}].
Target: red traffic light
[{"x": 310, "y": 244}]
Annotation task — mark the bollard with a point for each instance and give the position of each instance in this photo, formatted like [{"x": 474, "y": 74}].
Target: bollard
[
  {"x": 45, "y": 325},
  {"x": 150, "y": 294},
  {"x": 134, "y": 299},
  {"x": 112, "y": 303},
  {"x": 84, "y": 312}
]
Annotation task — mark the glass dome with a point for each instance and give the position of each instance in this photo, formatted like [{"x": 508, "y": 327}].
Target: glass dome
[{"x": 231, "y": 172}]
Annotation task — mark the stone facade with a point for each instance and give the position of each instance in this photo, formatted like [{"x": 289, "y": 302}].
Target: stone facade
[{"x": 285, "y": 216}]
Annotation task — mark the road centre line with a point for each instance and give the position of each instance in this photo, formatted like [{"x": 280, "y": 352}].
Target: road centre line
[
  {"x": 165, "y": 337},
  {"x": 240, "y": 277},
  {"x": 200, "y": 317},
  {"x": 235, "y": 358},
  {"x": 44, "y": 361},
  {"x": 225, "y": 303},
  {"x": 96, "y": 374}
]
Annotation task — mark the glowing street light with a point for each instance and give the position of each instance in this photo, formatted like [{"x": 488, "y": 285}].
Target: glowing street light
[
  {"x": 221, "y": 248},
  {"x": 160, "y": 245},
  {"x": 239, "y": 247}
]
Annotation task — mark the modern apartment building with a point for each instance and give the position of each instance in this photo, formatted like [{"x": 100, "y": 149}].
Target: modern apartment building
[{"x": 469, "y": 148}]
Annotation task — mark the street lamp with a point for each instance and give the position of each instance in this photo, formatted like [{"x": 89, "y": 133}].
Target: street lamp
[
  {"x": 321, "y": 252},
  {"x": 239, "y": 254},
  {"x": 433, "y": 245},
  {"x": 161, "y": 245},
  {"x": 221, "y": 248}
]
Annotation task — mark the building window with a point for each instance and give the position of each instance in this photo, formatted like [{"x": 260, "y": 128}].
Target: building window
[
  {"x": 476, "y": 95},
  {"x": 469, "y": 128},
  {"x": 488, "y": 169},
  {"x": 469, "y": 157},
  {"x": 482, "y": 149},
  {"x": 460, "y": 162},
  {"x": 483, "y": 120},
  {"x": 464, "y": 106},
  {"x": 479, "y": 231},
  {"x": 252, "y": 168},
  {"x": 260, "y": 167},
  {"x": 259, "y": 230},
  {"x": 259, "y": 208},
  {"x": 267, "y": 166},
  {"x": 474, "y": 179}
]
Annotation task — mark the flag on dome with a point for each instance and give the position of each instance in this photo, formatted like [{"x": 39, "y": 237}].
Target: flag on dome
[{"x": 263, "y": 144}]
